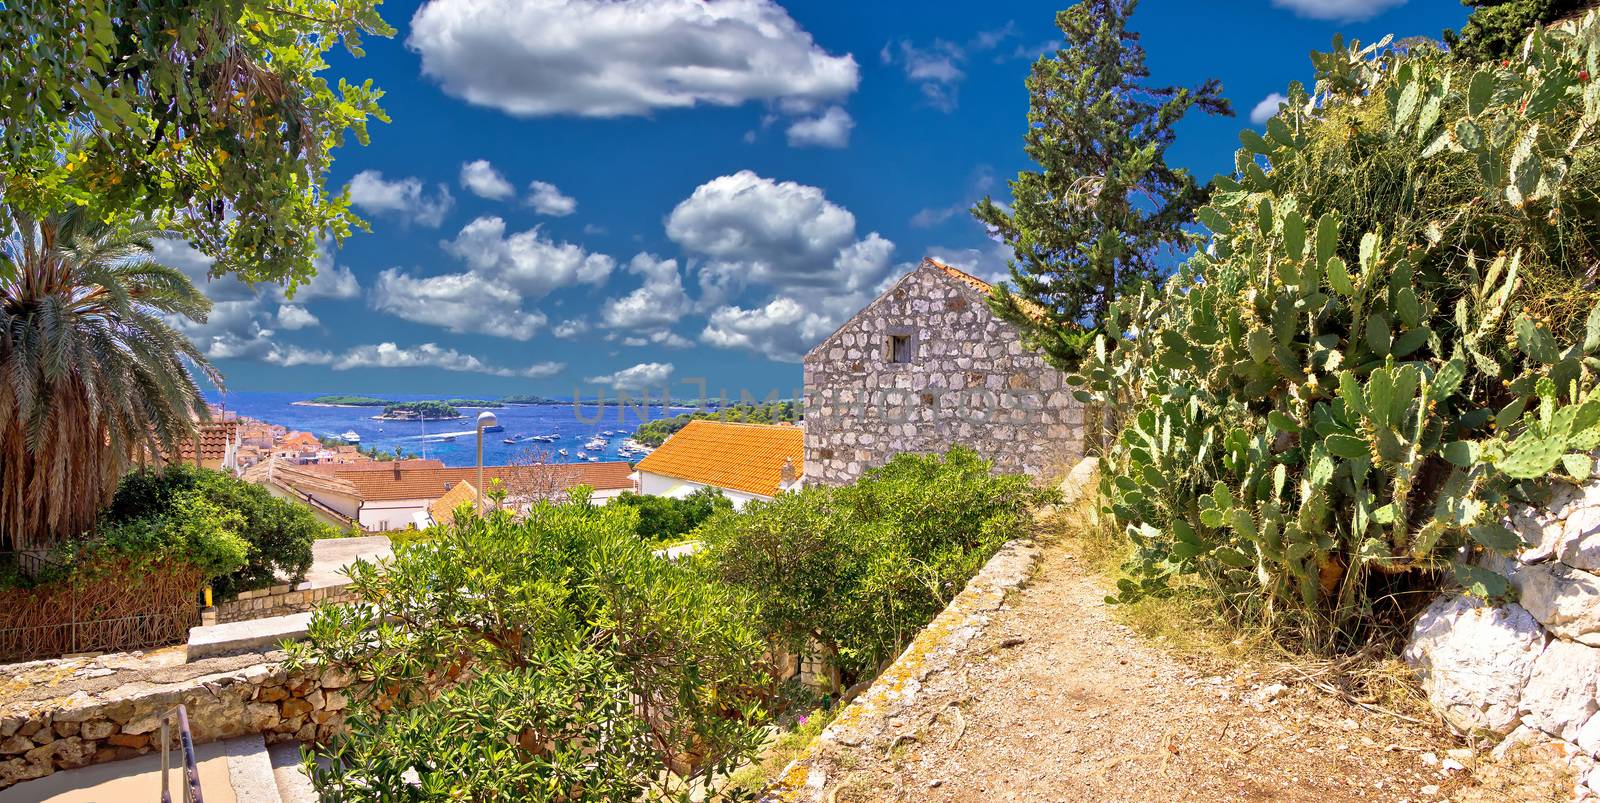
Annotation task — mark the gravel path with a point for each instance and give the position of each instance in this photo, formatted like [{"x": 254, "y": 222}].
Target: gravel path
[{"x": 1055, "y": 700}]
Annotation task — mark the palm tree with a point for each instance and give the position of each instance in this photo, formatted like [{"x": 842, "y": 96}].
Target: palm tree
[{"x": 91, "y": 375}]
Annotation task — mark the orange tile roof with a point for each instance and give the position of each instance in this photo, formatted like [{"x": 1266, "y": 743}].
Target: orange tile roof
[
  {"x": 740, "y": 457},
  {"x": 443, "y": 510},
  {"x": 431, "y": 483},
  {"x": 1029, "y": 308},
  {"x": 214, "y": 437},
  {"x": 301, "y": 440},
  {"x": 376, "y": 465}
]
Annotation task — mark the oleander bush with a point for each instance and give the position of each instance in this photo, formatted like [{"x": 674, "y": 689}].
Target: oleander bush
[
  {"x": 859, "y": 569},
  {"x": 1391, "y": 337},
  {"x": 664, "y": 520},
  {"x": 545, "y": 656},
  {"x": 277, "y": 534}
]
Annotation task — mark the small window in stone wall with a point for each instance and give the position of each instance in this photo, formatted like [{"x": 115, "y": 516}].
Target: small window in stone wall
[{"x": 900, "y": 348}]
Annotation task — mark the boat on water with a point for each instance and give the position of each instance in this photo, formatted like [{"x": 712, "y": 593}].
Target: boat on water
[
  {"x": 545, "y": 438},
  {"x": 495, "y": 428},
  {"x": 350, "y": 437},
  {"x": 582, "y": 456},
  {"x": 515, "y": 439},
  {"x": 594, "y": 459},
  {"x": 596, "y": 445},
  {"x": 562, "y": 452}
]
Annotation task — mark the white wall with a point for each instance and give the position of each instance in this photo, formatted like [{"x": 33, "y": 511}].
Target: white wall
[
  {"x": 391, "y": 514},
  {"x": 651, "y": 484}
]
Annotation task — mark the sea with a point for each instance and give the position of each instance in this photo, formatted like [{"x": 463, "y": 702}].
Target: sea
[{"x": 454, "y": 442}]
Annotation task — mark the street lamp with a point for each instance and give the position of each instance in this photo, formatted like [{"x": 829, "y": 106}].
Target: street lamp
[{"x": 485, "y": 419}]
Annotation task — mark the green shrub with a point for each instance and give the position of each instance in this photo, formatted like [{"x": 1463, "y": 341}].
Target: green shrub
[
  {"x": 190, "y": 528},
  {"x": 549, "y": 657},
  {"x": 861, "y": 568},
  {"x": 1385, "y": 344},
  {"x": 664, "y": 520},
  {"x": 279, "y": 533}
]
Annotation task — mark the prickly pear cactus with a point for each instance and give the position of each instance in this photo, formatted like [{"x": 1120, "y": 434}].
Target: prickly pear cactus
[{"x": 1344, "y": 386}]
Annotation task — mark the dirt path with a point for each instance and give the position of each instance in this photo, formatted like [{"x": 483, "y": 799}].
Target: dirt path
[{"x": 1055, "y": 700}]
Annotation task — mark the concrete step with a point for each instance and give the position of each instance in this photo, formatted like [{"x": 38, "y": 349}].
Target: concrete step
[
  {"x": 230, "y": 772},
  {"x": 251, "y": 635},
  {"x": 293, "y": 785}
]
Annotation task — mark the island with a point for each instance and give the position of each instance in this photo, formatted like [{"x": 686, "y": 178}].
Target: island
[
  {"x": 654, "y": 433},
  {"x": 474, "y": 403},
  {"x": 418, "y": 411},
  {"x": 526, "y": 398},
  {"x": 335, "y": 400}
]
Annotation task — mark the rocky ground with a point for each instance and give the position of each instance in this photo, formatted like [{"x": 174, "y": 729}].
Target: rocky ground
[{"x": 1053, "y": 699}]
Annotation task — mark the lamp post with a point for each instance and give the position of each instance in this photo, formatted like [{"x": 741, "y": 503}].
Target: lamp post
[{"x": 485, "y": 419}]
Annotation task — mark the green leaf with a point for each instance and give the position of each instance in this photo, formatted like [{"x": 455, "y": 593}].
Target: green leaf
[
  {"x": 1480, "y": 582},
  {"x": 1580, "y": 466},
  {"x": 1339, "y": 278},
  {"x": 1294, "y": 234},
  {"x": 1535, "y": 341},
  {"x": 1461, "y": 453},
  {"x": 1479, "y": 91},
  {"x": 1469, "y": 135},
  {"x": 1348, "y": 447},
  {"x": 1496, "y": 537},
  {"x": 1254, "y": 142},
  {"x": 1282, "y": 422},
  {"x": 1327, "y": 238}
]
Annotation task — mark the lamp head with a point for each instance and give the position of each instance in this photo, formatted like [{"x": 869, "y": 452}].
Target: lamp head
[{"x": 486, "y": 419}]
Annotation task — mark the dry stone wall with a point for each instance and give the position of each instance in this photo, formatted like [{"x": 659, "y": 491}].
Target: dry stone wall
[
  {"x": 281, "y": 600},
  {"x": 1527, "y": 670},
  {"x": 225, "y": 698},
  {"x": 967, "y": 380}
]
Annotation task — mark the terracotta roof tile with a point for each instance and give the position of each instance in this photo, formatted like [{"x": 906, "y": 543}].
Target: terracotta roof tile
[
  {"x": 375, "y": 465},
  {"x": 443, "y": 509},
  {"x": 740, "y": 457},
  {"x": 1029, "y": 308},
  {"x": 214, "y": 437},
  {"x": 431, "y": 483}
]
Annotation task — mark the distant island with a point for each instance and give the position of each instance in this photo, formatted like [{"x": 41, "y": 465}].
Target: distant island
[
  {"x": 474, "y": 403},
  {"x": 343, "y": 401},
  {"x": 654, "y": 433},
  {"x": 527, "y": 398},
  {"x": 418, "y": 411}
]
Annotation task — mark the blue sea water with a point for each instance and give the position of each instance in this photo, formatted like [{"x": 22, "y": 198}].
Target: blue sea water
[{"x": 576, "y": 424}]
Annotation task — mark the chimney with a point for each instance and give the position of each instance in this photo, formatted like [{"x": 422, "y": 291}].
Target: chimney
[{"x": 786, "y": 475}]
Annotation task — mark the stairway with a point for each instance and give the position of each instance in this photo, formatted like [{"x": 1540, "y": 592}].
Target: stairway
[{"x": 242, "y": 770}]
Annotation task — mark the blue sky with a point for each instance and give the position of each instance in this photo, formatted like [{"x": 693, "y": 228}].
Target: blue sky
[{"x": 660, "y": 193}]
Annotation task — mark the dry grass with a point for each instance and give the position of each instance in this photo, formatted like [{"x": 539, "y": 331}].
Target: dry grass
[{"x": 1189, "y": 624}]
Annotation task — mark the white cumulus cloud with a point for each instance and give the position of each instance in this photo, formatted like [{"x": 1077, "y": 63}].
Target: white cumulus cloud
[
  {"x": 609, "y": 58},
  {"x": 658, "y": 302},
  {"x": 1267, "y": 108},
  {"x": 638, "y": 377},
  {"x": 458, "y": 302},
  {"x": 427, "y": 355},
  {"x": 1339, "y": 10},
  {"x": 546, "y": 199},
  {"x": 404, "y": 199},
  {"x": 831, "y": 129},
  {"x": 527, "y": 261},
  {"x": 294, "y": 316},
  {"x": 782, "y": 330},
  {"x": 485, "y": 181}
]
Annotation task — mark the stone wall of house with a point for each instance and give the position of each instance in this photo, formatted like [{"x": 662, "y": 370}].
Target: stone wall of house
[
  {"x": 1528, "y": 671},
  {"x": 224, "y": 698},
  {"x": 969, "y": 380},
  {"x": 281, "y": 600}
]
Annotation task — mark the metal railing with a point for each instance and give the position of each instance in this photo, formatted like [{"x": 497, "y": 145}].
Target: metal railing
[{"x": 191, "y": 771}]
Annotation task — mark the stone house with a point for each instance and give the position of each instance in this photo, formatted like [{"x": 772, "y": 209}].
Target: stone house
[{"x": 928, "y": 365}]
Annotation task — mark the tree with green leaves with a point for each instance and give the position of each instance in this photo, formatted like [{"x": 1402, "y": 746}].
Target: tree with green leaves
[
  {"x": 549, "y": 656},
  {"x": 91, "y": 372},
  {"x": 211, "y": 118},
  {"x": 1498, "y": 27},
  {"x": 1104, "y": 205}
]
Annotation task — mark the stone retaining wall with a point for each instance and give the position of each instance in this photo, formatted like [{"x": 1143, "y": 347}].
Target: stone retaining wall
[
  {"x": 1529, "y": 670},
  {"x": 281, "y": 600},
  {"x": 42, "y": 736}
]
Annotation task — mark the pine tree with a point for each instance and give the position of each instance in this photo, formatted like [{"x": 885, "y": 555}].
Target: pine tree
[
  {"x": 1497, "y": 27},
  {"x": 1096, "y": 217}
]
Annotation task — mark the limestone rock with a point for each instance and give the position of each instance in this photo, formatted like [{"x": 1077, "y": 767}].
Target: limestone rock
[
  {"x": 98, "y": 729},
  {"x": 14, "y": 744},
  {"x": 1563, "y": 599},
  {"x": 1560, "y": 695},
  {"x": 18, "y": 769},
  {"x": 1475, "y": 660}
]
